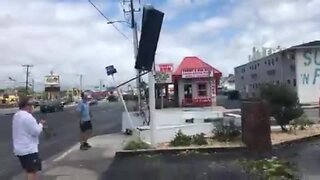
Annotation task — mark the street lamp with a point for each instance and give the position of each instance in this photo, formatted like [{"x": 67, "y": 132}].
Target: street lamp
[
  {"x": 118, "y": 21},
  {"x": 14, "y": 81},
  {"x": 80, "y": 83},
  {"x": 133, "y": 26}
]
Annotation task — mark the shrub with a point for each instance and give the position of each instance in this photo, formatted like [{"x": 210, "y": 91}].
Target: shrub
[
  {"x": 226, "y": 132},
  {"x": 199, "y": 139},
  {"x": 284, "y": 103},
  {"x": 135, "y": 145},
  {"x": 234, "y": 95},
  {"x": 269, "y": 168},
  {"x": 181, "y": 139},
  {"x": 302, "y": 122}
]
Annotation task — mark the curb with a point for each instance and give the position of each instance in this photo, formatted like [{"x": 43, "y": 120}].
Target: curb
[
  {"x": 130, "y": 153},
  {"x": 295, "y": 141}
]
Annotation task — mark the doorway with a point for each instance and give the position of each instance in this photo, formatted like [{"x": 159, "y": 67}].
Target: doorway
[{"x": 188, "y": 91}]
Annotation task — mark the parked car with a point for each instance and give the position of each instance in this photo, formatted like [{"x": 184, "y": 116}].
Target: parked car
[
  {"x": 51, "y": 106},
  {"x": 112, "y": 98},
  {"x": 93, "y": 102},
  {"x": 36, "y": 103}
]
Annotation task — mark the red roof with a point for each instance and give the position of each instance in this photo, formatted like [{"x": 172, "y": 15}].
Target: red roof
[{"x": 194, "y": 62}]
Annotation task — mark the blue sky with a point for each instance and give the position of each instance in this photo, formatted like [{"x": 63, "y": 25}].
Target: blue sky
[{"x": 70, "y": 37}]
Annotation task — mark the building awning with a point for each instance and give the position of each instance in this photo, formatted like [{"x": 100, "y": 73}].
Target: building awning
[{"x": 194, "y": 63}]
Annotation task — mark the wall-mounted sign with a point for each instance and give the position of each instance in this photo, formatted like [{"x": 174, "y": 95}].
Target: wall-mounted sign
[
  {"x": 196, "y": 73},
  {"x": 164, "y": 67},
  {"x": 52, "y": 81},
  {"x": 164, "y": 73}
]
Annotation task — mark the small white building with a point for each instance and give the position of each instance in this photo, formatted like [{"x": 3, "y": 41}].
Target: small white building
[
  {"x": 297, "y": 66},
  {"x": 197, "y": 82},
  {"x": 228, "y": 83}
]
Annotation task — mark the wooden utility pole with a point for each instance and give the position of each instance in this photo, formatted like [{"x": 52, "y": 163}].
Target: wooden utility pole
[
  {"x": 133, "y": 26},
  {"x": 28, "y": 66}
]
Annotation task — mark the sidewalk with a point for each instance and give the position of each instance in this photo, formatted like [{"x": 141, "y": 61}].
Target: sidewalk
[{"x": 83, "y": 165}]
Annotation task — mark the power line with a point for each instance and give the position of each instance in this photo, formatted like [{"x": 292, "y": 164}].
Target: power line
[{"x": 108, "y": 20}]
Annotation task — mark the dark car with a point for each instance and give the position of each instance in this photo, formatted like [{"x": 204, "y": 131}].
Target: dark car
[
  {"x": 51, "y": 106},
  {"x": 36, "y": 103},
  {"x": 112, "y": 98},
  {"x": 93, "y": 102}
]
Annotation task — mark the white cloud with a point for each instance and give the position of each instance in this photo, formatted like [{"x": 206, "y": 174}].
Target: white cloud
[
  {"x": 255, "y": 23},
  {"x": 211, "y": 25},
  {"x": 72, "y": 38},
  {"x": 183, "y": 3},
  {"x": 64, "y": 37}
]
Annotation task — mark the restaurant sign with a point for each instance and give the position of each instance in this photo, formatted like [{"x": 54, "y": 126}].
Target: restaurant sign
[
  {"x": 196, "y": 73},
  {"x": 52, "y": 81},
  {"x": 163, "y": 73}
]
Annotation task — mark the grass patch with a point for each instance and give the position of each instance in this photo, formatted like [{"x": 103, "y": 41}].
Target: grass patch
[
  {"x": 135, "y": 145},
  {"x": 269, "y": 169}
]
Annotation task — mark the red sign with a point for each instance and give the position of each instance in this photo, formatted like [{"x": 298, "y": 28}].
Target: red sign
[
  {"x": 164, "y": 68},
  {"x": 164, "y": 73},
  {"x": 213, "y": 88},
  {"x": 196, "y": 73}
]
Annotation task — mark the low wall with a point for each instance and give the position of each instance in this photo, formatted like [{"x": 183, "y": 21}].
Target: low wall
[
  {"x": 168, "y": 118},
  {"x": 167, "y": 133},
  {"x": 169, "y": 122}
]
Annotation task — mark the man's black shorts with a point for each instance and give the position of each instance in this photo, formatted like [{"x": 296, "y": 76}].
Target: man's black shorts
[
  {"x": 30, "y": 162},
  {"x": 85, "y": 126}
]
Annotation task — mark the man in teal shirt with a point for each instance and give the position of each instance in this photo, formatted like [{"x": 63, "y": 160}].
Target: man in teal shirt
[{"x": 83, "y": 110}]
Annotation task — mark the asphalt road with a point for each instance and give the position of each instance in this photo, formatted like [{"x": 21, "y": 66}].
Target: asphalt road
[{"x": 65, "y": 128}]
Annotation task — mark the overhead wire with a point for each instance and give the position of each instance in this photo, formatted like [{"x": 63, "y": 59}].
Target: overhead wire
[{"x": 105, "y": 17}]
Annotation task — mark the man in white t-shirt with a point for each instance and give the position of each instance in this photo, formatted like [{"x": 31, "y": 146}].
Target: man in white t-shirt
[{"x": 25, "y": 133}]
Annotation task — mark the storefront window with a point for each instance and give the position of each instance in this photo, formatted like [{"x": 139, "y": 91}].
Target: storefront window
[{"x": 202, "y": 89}]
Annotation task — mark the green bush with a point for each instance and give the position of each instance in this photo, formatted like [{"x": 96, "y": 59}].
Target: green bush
[
  {"x": 181, "y": 139},
  {"x": 199, "y": 139},
  {"x": 135, "y": 145},
  {"x": 284, "y": 103},
  {"x": 269, "y": 169},
  {"x": 226, "y": 132}
]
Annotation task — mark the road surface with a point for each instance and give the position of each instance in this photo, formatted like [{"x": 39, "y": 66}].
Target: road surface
[{"x": 65, "y": 125}]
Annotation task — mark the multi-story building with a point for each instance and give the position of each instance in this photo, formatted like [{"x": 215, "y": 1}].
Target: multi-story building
[{"x": 297, "y": 67}]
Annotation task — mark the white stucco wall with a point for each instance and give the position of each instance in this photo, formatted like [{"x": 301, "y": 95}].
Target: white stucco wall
[
  {"x": 169, "y": 122},
  {"x": 167, "y": 133},
  {"x": 308, "y": 75}
]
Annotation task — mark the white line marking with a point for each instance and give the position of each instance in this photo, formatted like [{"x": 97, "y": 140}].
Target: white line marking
[{"x": 65, "y": 153}]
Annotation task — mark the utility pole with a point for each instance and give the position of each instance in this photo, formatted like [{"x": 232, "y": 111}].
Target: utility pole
[
  {"x": 32, "y": 85},
  {"x": 135, "y": 45},
  {"x": 81, "y": 77},
  {"x": 100, "y": 84},
  {"x": 28, "y": 66}
]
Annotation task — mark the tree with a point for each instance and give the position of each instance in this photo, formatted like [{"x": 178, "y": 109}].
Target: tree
[
  {"x": 22, "y": 92},
  {"x": 284, "y": 103}
]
